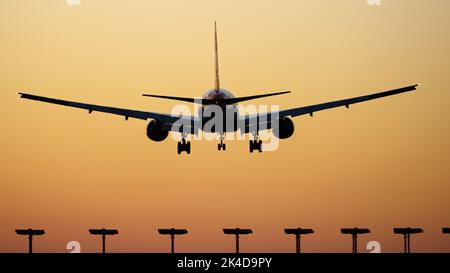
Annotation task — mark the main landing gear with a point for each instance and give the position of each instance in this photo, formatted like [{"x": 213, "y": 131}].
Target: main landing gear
[
  {"x": 184, "y": 146},
  {"x": 255, "y": 145}
]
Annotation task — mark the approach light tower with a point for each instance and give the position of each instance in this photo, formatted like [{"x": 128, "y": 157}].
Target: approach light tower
[
  {"x": 104, "y": 232},
  {"x": 30, "y": 232},
  {"x": 355, "y": 232},
  {"x": 406, "y": 232},
  {"x": 172, "y": 232},
  {"x": 446, "y": 230},
  {"x": 237, "y": 232},
  {"x": 298, "y": 232}
]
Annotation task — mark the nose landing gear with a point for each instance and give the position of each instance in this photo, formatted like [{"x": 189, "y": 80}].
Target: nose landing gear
[{"x": 221, "y": 145}]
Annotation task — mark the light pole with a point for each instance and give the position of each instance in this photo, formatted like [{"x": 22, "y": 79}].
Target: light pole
[
  {"x": 298, "y": 232},
  {"x": 30, "y": 232},
  {"x": 406, "y": 232},
  {"x": 237, "y": 232},
  {"x": 172, "y": 232},
  {"x": 355, "y": 232},
  {"x": 104, "y": 232}
]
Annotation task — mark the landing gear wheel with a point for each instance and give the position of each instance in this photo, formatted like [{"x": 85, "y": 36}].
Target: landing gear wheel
[{"x": 179, "y": 148}]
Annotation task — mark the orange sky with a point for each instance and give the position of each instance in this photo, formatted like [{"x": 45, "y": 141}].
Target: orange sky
[{"x": 379, "y": 164}]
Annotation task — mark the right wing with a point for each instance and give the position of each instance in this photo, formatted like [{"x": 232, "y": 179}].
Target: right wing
[
  {"x": 294, "y": 112},
  {"x": 167, "y": 119},
  {"x": 264, "y": 119}
]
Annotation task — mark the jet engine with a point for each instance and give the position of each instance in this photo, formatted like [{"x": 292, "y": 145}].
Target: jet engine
[
  {"x": 285, "y": 128},
  {"x": 155, "y": 131}
]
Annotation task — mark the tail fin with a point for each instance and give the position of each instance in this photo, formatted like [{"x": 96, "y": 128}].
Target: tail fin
[
  {"x": 216, "y": 86},
  {"x": 216, "y": 83}
]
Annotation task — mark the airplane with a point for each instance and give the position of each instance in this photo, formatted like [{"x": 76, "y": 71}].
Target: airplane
[{"x": 161, "y": 124}]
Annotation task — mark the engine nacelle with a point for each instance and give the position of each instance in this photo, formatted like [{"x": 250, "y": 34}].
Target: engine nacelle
[
  {"x": 285, "y": 128},
  {"x": 155, "y": 131}
]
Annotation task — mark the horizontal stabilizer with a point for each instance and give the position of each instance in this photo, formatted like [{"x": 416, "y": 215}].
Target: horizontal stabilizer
[
  {"x": 210, "y": 101},
  {"x": 174, "y": 98},
  {"x": 240, "y": 99}
]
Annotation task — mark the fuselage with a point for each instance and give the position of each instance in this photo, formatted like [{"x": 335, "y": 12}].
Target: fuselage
[
  {"x": 218, "y": 95},
  {"x": 229, "y": 111}
]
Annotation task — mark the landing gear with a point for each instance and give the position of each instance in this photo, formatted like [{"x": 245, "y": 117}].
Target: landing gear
[
  {"x": 184, "y": 146},
  {"x": 221, "y": 145},
  {"x": 255, "y": 145}
]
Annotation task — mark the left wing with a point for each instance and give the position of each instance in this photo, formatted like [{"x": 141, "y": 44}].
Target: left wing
[
  {"x": 295, "y": 112},
  {"x": 167, "y": 119}
]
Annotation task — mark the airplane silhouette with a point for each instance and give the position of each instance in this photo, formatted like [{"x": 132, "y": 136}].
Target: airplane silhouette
[{"x": 214, "y": 103}]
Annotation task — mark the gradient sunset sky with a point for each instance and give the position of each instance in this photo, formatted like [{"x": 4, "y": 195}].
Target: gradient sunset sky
[{"x": 379, "y": 164}]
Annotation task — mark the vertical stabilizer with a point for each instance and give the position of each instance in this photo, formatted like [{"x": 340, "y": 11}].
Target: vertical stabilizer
[{"x": 216, "y": 83}]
